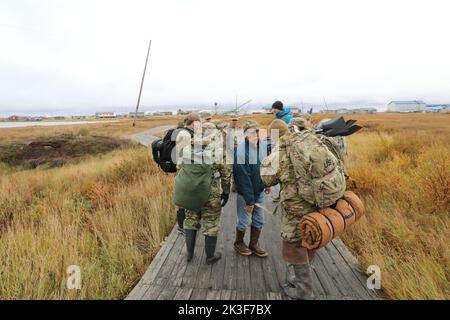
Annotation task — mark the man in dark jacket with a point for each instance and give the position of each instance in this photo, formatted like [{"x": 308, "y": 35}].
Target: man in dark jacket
[{"x": 250, "y": 189}]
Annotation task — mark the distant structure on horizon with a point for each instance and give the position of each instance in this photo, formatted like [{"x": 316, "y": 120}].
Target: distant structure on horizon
[
  {"x": 107, "y": 114},
  {"x": 349, "y": 111},
  {"x": 416, "y": 106},
  {"x": 406, "y": 106}
]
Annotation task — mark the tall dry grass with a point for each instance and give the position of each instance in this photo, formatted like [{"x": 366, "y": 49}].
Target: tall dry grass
[
  {"x": 107, "y": 215},
  {"x": 403, "y": 175}
]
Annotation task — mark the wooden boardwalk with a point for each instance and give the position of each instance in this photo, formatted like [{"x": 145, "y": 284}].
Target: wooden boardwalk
[{"x": 336, "y": 275}]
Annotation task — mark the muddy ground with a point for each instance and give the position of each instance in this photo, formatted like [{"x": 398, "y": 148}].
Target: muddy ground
[{"x": 50, "y": 152}]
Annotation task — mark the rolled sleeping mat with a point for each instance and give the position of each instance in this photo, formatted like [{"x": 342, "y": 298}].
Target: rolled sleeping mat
[{"x": 320, "y": 227}]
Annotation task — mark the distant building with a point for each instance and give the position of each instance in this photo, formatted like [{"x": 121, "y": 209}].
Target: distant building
[
  {"x": 107, "y": 114},
  {"x": 140, "y": 114},
  {"x": 406, "y": 106},
  {"x": 37, "y": 118},
  {"x": 59, "y": 117},
  {"x": 364, "y": 110},
  {"x": 162, "y": 113},
  {"x": 437, "y": 108}
]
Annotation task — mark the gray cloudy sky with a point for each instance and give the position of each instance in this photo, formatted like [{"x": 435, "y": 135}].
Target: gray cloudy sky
[{"x": 81, "y": 54}]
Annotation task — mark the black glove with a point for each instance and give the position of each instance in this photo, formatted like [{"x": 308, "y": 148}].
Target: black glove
[{"x": 224, "y": 199}]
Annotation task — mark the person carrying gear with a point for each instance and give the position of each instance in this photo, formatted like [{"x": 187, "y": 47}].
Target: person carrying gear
[
  {"x": 208, "y": 214},
  {"x": 250, "y": 189},
  {"x": 277, "y": 168},
  {"x": 281, "y": 112}
]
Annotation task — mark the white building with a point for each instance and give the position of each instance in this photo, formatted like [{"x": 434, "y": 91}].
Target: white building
[
  {"x": 105, "y": 114},
  {"x": 406, "y": 106}
]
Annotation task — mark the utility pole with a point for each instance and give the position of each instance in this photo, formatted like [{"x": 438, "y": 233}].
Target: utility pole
[
  {"x": 325, "y": 102},
  {"x": 142, "y": 84}
]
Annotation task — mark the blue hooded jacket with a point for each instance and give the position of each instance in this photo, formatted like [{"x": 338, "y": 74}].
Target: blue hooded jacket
[
  {"x": 246, "y": 172},
  {"x": 285, "y": 112}
]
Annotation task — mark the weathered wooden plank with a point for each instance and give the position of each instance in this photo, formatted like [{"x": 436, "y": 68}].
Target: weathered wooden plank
[
  {"x": 153, "y": 292},
  {"x": 354, "y": 265},
  {"x": 199, "y": 294},
  {"x": 274, "y": 296},
  {"x": 167, "y": 293},
  {"x": 183, "y": 294},
  {"x": 160, "y": 258},
  {"x": 190, "y": 274},
  {"x": 164, "y": 276},
  {"x": 226, "y": 294},
  {"x": 344, "y": 270},
  {"x": 340, "y": 282},
  {"x": 318, "y": 290},
  {"x": 268, "y": 269},
  {"x": 258, "y": 283},
  {"x": 138, "y": 293},
  {"x": 133, "y": 294},
  {"x": 325, "y": 280},
  {"x": 212, "y": 294}
]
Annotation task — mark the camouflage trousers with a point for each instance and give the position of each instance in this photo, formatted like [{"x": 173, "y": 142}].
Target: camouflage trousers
[
  {"x": 208, "y": 216},
  {"x": 290, "y": 224}
]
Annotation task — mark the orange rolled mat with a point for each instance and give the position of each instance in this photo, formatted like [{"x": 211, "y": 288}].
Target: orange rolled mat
[{"x": 319, "y": 228}]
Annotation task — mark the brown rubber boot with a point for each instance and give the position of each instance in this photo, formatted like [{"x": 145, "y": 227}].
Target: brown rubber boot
[
  {"x": 301, "y": 288},
  {"x": 253, "y": 246},
  {"x": 239, "y": 244}
]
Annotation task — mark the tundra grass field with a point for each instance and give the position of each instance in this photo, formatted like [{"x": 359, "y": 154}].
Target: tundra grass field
[{"x": 108, "y": 212}]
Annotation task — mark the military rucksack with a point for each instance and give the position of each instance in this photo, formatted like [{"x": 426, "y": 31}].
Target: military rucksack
[
  {"x": 163, "y": 150},
  {"x": 318, "y": 167},
  {"x": 194, "y": 179}
]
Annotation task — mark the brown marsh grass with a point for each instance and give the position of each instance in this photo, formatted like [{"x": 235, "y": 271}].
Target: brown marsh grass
[{"x": 109, "y": 214}]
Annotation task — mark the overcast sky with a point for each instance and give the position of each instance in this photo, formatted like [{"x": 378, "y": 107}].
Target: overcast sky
[{"x": 81, "y": 54}]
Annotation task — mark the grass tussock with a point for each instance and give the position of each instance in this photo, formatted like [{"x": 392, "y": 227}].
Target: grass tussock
[{"x": 107, "y": 216}]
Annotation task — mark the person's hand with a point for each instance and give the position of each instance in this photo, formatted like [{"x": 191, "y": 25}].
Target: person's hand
[
  {"x": 249, "y": 208},
  {"x": 224, "y": 199},
  {"x": 267, "y": 190}
]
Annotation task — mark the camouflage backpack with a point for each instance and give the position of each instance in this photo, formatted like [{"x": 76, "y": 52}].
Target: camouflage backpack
[{"x": 319, "y": 171}]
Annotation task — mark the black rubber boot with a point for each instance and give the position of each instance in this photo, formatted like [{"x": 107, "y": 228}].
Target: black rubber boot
[
  {"x": 181, "y": 215},
  {"x": 190, "y": 243},
  {"x": 210, "y": 248}
]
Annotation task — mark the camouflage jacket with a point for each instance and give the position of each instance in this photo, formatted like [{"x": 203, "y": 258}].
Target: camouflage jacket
[{"x": 277, "y": 168}]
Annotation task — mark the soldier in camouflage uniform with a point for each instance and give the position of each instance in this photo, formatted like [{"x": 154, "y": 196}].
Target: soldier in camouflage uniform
[
  {"x": 277, "y": 168},
  {"x": 209, "y": 214}
]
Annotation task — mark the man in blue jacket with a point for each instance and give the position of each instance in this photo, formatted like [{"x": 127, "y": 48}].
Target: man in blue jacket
[
  {"x": 281, "y": 112},
  {"x": 250, "y": 189}
]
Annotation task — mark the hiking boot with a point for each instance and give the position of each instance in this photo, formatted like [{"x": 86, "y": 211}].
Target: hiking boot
[
  {"x": 239, "y": 244},
  {"x": 180, "y": 220},
  {"x": 253, "y": 246},
  {"x": 210, "y": 248},
  {"x": 190, "y": 236},
  {"x": 301, "y": 288}
]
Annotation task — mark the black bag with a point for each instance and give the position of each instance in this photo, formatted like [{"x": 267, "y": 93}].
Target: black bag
[{"x": 162, "y": 150}]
